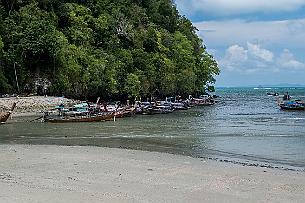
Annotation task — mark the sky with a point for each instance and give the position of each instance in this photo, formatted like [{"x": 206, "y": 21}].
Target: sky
[{"x": 255, "y": 42}]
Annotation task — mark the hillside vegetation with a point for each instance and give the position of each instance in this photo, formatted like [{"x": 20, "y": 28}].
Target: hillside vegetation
[{"x": 108, "y": 48}]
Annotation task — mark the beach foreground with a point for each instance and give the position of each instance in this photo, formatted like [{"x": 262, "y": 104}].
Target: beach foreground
[{"x": 93, "y": 174}]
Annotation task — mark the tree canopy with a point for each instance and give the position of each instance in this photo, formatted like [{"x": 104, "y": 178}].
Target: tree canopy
[{"x": 107, "y": 48}]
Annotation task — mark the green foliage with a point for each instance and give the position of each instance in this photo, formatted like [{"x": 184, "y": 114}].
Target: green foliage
[
  {"x": 4, "y": 86},
  {"x": 1, "y": 45},
  {"x": 133, "y": 85},
  {"x": 108, "y": 48},
  {"x": 211, "y": 88}
]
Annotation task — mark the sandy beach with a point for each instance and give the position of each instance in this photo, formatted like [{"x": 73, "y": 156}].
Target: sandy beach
[
  {"x": 34, "y": 105},
  {"x": 93, "y": 174}
]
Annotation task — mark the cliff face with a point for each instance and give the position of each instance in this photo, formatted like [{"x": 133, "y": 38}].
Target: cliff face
[{"x": 107, "y": 48}]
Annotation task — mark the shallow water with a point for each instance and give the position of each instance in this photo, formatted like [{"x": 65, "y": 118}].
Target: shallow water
[{"x": 246, "y": 126}]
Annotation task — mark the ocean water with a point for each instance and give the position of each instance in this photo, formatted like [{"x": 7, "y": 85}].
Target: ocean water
[{"x": 246, "y": 126}]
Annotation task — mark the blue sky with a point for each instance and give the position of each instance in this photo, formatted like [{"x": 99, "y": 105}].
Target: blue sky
[{"x": 255, "y": 42}]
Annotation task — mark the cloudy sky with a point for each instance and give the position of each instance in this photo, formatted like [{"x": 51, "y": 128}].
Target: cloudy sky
[{"x": 256, "y": 42}]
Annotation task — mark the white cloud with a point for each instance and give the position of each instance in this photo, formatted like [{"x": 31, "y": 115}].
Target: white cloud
[
  {"x": 259, "y": 52},
  {"x": 287, "y": 33},
  {"x": 256, "y": 45},
  {"x": 236, "y": 7},
  {"x": 236, "y": 53},
  {"x": 254, "y": 58},
  {"x": 247, "y": 60},
  {"x": 252, "y": 47},
  {"x": 287, "y": 60}
]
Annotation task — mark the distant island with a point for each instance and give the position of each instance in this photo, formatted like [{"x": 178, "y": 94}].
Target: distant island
[
  {"x": 284, "y": 85},
  {"x": 267, "y": 86}
]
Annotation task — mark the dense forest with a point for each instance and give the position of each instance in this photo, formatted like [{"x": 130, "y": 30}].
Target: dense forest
[{"x": 107, "y": 48}]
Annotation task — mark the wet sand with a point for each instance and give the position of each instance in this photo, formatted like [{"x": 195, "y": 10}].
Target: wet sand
[{"x": 94, "y": 174}]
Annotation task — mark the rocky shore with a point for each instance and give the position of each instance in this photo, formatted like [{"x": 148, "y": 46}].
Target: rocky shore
[{"x": 32, "y": 105}]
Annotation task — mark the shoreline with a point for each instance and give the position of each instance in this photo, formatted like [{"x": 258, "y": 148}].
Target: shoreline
[
  {"x": 50, "y": 173},
  {"x": 258, "y": 164},
  {"x": 213, "y": 158},
  {"x": 33, "y": 105}
]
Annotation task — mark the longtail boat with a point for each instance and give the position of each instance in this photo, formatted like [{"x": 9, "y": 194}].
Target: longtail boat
[
  {"x": 292, "y": 105},
  {"x": 203, "y": 100},
  {"x": 5, "y": 115},
  {"x": 80, "y": 118}
]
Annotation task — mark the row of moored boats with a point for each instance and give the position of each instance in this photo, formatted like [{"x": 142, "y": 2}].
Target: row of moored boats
[{"x": 92, "y": 112}]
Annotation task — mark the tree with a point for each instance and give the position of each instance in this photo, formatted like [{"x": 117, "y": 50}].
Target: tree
[
  {"x": 133, "y": 85},
  {"x": 1, "y": 45},
  {"x": 4, "y": 86},
  {"x": 115, "y": 49},
  {"x": 77, "y": 20}
]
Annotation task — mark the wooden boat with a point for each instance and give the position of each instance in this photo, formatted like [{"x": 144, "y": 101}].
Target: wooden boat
[
  {"x": 160, "y": 109},
  {"x": 292, "y": 105},
  {"x": 5, "y": 115},
  {"x": 273, "y": 94},
  {"x": 203, "y": 100},
  {"x": 179, "y": 106},
  {"x": 174, "y": 103},
  {"x": 127, "y": 112},
  {"x": 80, "y": 118}
]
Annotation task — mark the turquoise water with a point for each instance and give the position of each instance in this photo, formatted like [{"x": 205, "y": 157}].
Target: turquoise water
[{"x": 246, "y": 127}]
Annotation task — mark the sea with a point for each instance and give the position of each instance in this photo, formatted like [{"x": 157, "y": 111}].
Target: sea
[{"x": 245, "y": 127}]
